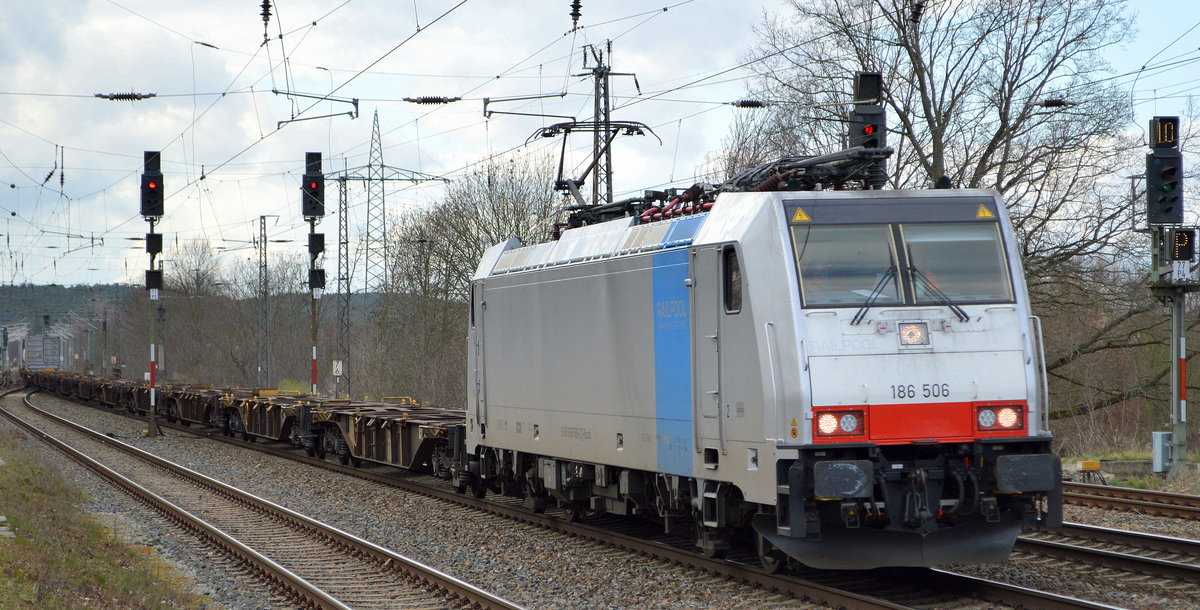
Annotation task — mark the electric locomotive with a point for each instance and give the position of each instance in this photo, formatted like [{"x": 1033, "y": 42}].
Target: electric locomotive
[{"x": 843, "y": 378}]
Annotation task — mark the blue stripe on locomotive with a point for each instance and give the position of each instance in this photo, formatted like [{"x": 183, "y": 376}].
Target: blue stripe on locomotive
[{"x": 673, "y": 362}]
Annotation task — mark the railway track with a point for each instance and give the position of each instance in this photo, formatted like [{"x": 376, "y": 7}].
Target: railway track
[
  {"x": 1148, "y": 502},
  {"x": 1136, "y": 552},
  {"x": 313, "y": 564},
  {"x": 893, "y": 588}
]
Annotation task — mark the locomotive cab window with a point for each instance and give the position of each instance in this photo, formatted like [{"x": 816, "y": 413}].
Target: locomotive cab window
[
  {"x": 732, "y": 272},
  {"x": 963, "y": 262},
  {"x": 843, "y": 265}
]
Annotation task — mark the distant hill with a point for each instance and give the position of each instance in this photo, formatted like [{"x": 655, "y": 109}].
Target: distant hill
[{"x": 28, "y": 303}]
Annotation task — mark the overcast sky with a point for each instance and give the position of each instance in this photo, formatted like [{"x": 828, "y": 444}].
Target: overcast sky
[{"x": 73, "y": 160}]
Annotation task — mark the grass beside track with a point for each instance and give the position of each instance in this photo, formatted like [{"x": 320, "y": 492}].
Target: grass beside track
[{"x": 62, "y": 557}]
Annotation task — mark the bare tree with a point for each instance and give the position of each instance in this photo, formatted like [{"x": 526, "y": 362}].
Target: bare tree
[
  {"x": 995, "y": 94},
  {"x": 417, "y": 337},
  {"x": 508, "y": 198}
]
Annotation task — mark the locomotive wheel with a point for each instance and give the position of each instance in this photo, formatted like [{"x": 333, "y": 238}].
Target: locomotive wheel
[
  {"x": 509, "y": 486},
  {"x": 531, "y": 496},
  {"x": 478, "y": 487},
  {"x": 344, "y": 457},
  {"x": 771, "y": 558}
]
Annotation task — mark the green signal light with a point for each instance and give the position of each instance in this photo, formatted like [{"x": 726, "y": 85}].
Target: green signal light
[{"x": 1168, "y": 187}]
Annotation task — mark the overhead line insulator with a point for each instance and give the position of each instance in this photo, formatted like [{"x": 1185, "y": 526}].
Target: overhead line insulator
[
  {"x": 576, "y": 12},
  {"x": 432, "y": 99},
  {"x": 125, "y": 97}
]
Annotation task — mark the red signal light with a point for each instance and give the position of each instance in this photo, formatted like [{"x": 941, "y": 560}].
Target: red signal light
[
  {"x": 312, "y": 185},
  {"x": 152, "y": 185},
  {"x": 869, "y": 130}
]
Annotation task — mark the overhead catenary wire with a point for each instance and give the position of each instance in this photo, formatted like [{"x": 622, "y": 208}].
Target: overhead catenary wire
[{"x": 229, "y": 174}]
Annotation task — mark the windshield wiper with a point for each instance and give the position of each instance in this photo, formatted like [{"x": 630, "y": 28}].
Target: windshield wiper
[
  {"x": 940, "y": 296},
  {"x": 875, "y": 292}
]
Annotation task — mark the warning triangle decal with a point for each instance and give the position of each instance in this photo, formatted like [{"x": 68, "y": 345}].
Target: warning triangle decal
[
  {"x": 793, "y": 421},
  {"x": 984, "y": 212},
  {"x": 800, "y": 216}
]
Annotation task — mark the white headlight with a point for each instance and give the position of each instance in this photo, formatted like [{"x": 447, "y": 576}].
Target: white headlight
[
  {"x": 987, "y": 418},
  {"x": 914, "y": 333},
  {"x": 1007, "y": 417},
  {"x": 827, "y": 423}
]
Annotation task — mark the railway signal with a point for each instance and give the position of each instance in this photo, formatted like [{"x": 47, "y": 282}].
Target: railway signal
[
  {"x": 312, "y": 189},
  {"x": 868, "y": 121},
  {"x": 152, "y": 185},
  {"x": 312, "y": 208},
  {"x": 868, "y": 126},
  {"x": 152, "y": 210},
  {"x": 1173, "y": 251},
  {"x": 316, "y": 277},
  {"x": 1164, "y": 171}
]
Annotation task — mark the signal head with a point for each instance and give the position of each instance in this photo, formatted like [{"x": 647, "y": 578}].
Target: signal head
[
  {"x": 152, "y": 195},
  {"x": 1164, "y": 196}
]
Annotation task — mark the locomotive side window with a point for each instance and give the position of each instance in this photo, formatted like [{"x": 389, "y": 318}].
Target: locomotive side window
[
  {"x": 733, "y": 280},
  {"x": 843, "y": 265},
  {"x": 963, "y": 261}
]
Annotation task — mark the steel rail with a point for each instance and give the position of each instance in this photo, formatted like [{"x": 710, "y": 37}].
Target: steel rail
[
  {"x": 1155, "y": 542},
  {"x": 426, "y": 574},
  {"x": 1162, "y": 503},
  {"x": 1127, "y": 562},
  {"x": 1136, "y": 561}
]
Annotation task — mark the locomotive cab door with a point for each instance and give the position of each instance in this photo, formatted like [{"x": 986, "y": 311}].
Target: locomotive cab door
[
  {"x": 478, "y": 390},
  {"x": 706, "y": 352}
]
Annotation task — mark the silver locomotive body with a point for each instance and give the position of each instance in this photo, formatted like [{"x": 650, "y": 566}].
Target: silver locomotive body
[{"x": 810, "y": 372}]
